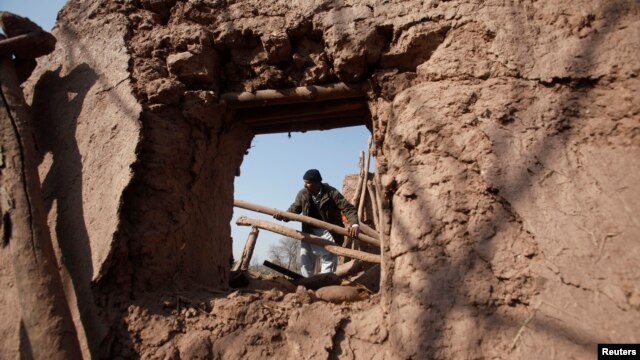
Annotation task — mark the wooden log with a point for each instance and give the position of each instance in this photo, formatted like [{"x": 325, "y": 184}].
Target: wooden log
[
  {"x": 245, "y": 260},
  {"x": 294, "y": 95},
  {"x": 305, "y": 219},
  {"x": 309, "y": 238},
  {"x": 383, "y": 225},
  {"x": 43, "y": 306},
  {"x": 364, "y": 181},
  {"x": 282, "y": 270},
  {"x": 370, "y": 278},
  {"x": 31, "y": 45},
  {"x": 349, "y": 268},
  {"x": 356, "y": 194},
  {"x": 369, "y": 231},
  {"x": 374, "y": 202}
]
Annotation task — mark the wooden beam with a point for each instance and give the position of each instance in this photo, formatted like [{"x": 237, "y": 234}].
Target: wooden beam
[
  {"x": 282, "y": 270},
  {"x": 30, "y": 45},
  {"x": 309, "y": 238},
  {"x": 369, "y": 231},
  {"x": 305, "y": 219},
  {"x": 294, "y": 95}
]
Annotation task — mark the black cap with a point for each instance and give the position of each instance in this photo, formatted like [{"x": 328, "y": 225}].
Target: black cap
[{"x": 312, "y": 175}]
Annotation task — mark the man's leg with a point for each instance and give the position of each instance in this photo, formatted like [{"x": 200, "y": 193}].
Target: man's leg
[
  {"x": 307, "y": 260},
  {"x": 328, "y": 261}
]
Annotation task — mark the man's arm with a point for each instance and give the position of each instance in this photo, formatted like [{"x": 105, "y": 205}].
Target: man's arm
[
  {"x": 295, "y": 208},
  {"x": 349, "y": 210}
]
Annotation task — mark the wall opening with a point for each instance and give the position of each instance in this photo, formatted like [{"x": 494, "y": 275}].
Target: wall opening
[{"x": 311, "y": 127}]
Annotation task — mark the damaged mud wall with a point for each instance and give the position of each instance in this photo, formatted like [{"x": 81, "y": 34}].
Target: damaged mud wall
[
  {"x": 505, "y": 136},
  {"x": 511, "y": 170}
]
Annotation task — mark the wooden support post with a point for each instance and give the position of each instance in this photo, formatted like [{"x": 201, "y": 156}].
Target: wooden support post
[
  {"x": 374, "y": 203},
  {"x": 245, "y": 260},
  {"x": 369, "y": 231},
  {"x": 44, "y": 309},
  {"x": 305, "y": 219},
  {"x": 356, "y": 194},
  {"x": 311, "y": 239},
  {"x": 364, "y": 182}
]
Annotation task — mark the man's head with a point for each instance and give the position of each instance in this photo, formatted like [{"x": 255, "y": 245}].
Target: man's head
[{"x": 312, "y": 181}]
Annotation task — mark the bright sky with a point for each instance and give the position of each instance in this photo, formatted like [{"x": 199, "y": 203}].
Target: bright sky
[
  {"x": 271, "y": 173},
  {"x": 42, "y": 12}
]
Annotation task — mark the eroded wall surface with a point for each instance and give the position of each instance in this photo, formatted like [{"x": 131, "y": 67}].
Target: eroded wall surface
[
  {"x": 506, "y": 137},
  {"x": 514, "y": 212}
]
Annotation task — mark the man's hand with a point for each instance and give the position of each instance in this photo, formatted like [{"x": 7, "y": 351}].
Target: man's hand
[{"x": 354, "y": 231}]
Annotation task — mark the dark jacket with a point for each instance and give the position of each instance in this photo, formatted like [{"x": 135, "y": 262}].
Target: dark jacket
[{"x": 332, "y": 203}]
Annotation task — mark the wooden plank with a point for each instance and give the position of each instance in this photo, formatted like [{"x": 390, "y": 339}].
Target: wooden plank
[{"x": 311, "y": 239}]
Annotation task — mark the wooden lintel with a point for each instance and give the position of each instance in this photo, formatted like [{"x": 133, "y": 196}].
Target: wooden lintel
[{"x": 295, "y": 95}]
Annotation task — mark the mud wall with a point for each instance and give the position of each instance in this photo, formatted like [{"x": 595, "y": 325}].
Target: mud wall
[
  {"x": 513, "y": 224},
  {"x": 504, "y": 134}
]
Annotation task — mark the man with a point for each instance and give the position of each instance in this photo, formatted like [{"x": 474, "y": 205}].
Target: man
[{"x": 323, "y": 202}]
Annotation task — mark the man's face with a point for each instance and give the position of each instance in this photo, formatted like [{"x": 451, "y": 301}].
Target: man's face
[{"x": 312, "y": 186}]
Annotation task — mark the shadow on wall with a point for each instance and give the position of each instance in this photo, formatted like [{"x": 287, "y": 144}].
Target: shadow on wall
[
  {"x": 57, "y": 105},
  {"x": 446, "y": 280}
]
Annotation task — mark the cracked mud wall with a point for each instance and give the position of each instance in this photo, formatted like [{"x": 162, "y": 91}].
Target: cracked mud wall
[
  {"x": 504, "y": 131},
  {"x": 86, "y": 130},
  {"x": 513, "y": 191}
]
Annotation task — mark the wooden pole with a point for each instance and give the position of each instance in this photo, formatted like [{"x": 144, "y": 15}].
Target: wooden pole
[
  {"x": 33, "y": 44},
  {"x": 309, "y": 238},
  {"x": 245, "y": 260},
  {"x": 305, "y": 219},
  {"x": 294, "y": 95},
  {"x": 356, "y": 194},
  {"x": 369, "y": 231},
  {"x": 43, "y": 306},
  {"x": 374, "y": 202},
  {"x": 364, "y": 181},
  {"x": 282, "y": 270}
]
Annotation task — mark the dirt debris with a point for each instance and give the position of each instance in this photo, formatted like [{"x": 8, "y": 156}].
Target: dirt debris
[{"x": 254, "y": 322}]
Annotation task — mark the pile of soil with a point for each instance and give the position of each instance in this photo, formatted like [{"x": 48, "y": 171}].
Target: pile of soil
[{"x": 268, "y": 318}]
